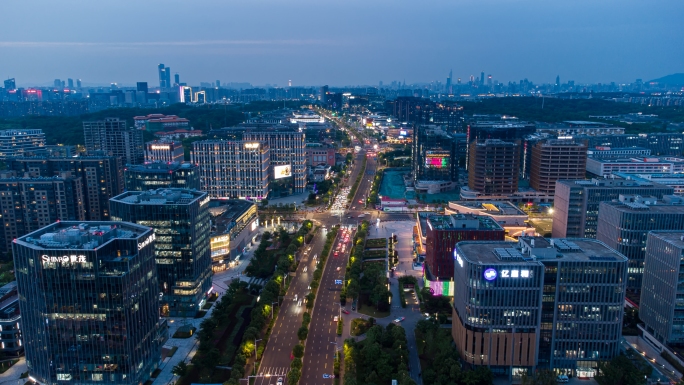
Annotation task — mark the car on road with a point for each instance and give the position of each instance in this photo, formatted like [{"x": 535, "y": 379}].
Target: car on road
[
  {"x": 398, "y": 320},
  {"x": 299, "y": 303},
  {"x": 338, "y": 268},
  {"x": 305, "y": 268},
  {"x": 335, "y": 319},
  {"x": 360, "y": 201},
  {"x": 295, "y": 298},
  {"x": 337, "y": 253},
  {"x": 280, "y": 381},
  {"x": 345, "y": 311}
]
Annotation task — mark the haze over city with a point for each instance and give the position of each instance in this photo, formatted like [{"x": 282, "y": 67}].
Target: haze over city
[{"x": 340, "y": 43}]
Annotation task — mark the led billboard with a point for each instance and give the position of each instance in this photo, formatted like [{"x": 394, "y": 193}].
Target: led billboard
[
  {"x": 437, "y": 159},
  {"x": 282, "y": 171}
]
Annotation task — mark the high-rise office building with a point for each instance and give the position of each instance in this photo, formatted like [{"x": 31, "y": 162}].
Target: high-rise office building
[
  {"x": 141, "y": 87},
  {"x": 576, "y": 202},
  {"x": 660, "y": 306},
  {"x": 57, "y": 83},
  {"x": 540, "y": 303},
  {"x": 93, "y": 315},
  {"x": 158, "y": 151},
  {"x": 112, "y": 137},
  {"x": 435, "y": 162},
  {"x": 556, "y": 159},
  {"x": 21, "y": 142},
  {"x": 155, "y": 175},
  {"x": 78, "y": 83},
  {"x": 623, "y": 225},
  {"x": 287, "y": 156},
  {"x": 493, "y": 166},
  {"x": 180, "y": 219},
  {"x": 176, "y": 80},
  {"x": 482, "y": 77},
  {"x": 234, "y": 169},
  {"x": 70, "y": 83},
  {"x": 101, "y": 177},
  {"x": 443, "y": 232},
  {"x": 28, "y": 204},
  {"x": 10, "y": 84},
  {"x": 164, "y": 76}
]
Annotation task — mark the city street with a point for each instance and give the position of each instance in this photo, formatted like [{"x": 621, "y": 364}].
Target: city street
[
  {"x": 322, "y": 339},
  {"x": 275, "y": 362}
]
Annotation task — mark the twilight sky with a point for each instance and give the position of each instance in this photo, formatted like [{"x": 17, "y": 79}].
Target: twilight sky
[{"x": 342, "y": 42}]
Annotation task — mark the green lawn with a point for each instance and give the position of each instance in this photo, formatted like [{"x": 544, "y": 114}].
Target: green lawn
[{"x": 372, "y": 311}]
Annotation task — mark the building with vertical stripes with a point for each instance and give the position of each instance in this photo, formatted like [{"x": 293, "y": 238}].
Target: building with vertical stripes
[
  {"x": 540, "y": 303},
  {"x": 233, "y": 168},
  {"x": 181, "y": 223},
  {"x": 89, "y": 303}
]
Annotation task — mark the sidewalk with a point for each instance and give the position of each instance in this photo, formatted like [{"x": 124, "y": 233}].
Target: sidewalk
[{"x": 11, "y": 376}]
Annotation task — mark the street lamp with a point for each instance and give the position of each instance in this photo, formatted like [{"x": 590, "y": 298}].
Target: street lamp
[{"x": 255, "y": 349}]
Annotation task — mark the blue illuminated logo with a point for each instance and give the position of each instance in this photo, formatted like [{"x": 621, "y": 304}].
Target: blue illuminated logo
[{"x": 490, "y": 274}]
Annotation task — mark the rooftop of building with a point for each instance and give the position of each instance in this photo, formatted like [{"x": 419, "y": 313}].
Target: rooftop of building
[
  {"x": 155, "y": 167},
  {"x": 9, "y": 308},
  {"x": 670, "y": 204},
  {"x": 462, "y": 221},
  {"x": 168, "y": 142},
  {"x": 495, "y": 142},
  {"x": 651, "y": 176},
  {"x": 490, "y": 207},
  {"x": 613, "y": 181},
  {"x": 646, "y": 159},
  {"x": 8, "y": 288},
  {"x": 225, "y": 212},
  {"x": 80, "y": 235},
  {"x": 533, "y": 249},
  {"x": 618, "y": 149},
  {"x": 675, "y": 238},
  {"x": 165, "y": 196},
  {"x": 561, "y": 142},
  {"x": 23, "y": 131}
]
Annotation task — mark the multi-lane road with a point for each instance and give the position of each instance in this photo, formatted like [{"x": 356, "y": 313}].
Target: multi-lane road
[
  {"x": 322, "y": 340},
  {"x": 276, "y": 359}
]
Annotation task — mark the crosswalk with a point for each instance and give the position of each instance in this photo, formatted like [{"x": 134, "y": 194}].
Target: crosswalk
[{"x": 271, "y": 371}]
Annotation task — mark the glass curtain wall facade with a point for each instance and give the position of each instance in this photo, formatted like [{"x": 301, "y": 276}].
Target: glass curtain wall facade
[
  {"x": 661, "y": 306},
  {"x": 181, "y": 223},
  {"x": 142, "y": 177},
  {"x": 89, "y": 303}
]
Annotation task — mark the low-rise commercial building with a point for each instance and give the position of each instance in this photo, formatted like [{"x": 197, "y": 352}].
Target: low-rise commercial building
[
  {"x": 10, "y": 321},
  {"x": 442, "y": 233},
  {"x": 540, "y": 303},
  {"x": 506, "y": 214},
  {"x": 234, "y": 226}
]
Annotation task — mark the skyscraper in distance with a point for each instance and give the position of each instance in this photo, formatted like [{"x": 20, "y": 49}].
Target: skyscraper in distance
[
  {"x": 10, "y": 84},
  {"x": 78, "y": 83},
  {"x": 482, "y": 78},
  {"x": 218, "y": 83},
  {"x": 176, "y": 79},
  {"x": 448, "y": 82},
  {"x": 164, "y": 76},
  {"x": 142, "y": 86}
]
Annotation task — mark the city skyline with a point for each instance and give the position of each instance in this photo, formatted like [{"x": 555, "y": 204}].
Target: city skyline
[{"x": 359, "y": 45}]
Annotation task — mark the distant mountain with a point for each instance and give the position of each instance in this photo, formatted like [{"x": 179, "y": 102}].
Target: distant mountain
[{"x": 673, "y": 80}]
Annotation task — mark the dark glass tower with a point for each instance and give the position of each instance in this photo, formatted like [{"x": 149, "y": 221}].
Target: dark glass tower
[
  {"x": 89, "y": 303},
  {"x": 180, "y": 219}
]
